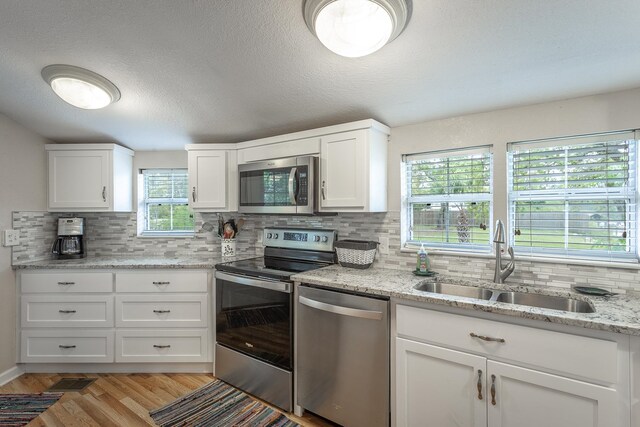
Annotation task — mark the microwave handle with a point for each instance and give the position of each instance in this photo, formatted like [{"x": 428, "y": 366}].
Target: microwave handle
[{"x": 292, "y": 180}]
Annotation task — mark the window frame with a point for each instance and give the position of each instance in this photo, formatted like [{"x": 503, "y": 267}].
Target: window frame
[
  {"x": 146, "y": 203},
  {"x": 569, "y": 195},
  {"x": 408, "y": 200}
]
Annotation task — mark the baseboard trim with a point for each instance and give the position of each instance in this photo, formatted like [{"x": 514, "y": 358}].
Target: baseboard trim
[
  {"x": 10, "y": 374},
  {"x": 118, "y": 368}
]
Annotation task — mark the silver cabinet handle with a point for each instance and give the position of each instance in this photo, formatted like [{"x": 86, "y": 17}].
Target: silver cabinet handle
[
  {"x": 66, "y": 311},
  {"x": 486, "y": 338},
  {"x": 66, "y": 283},
  {"x": 493, "y": 390},
  {"x": 161, "y": 346},
  {"x": 292, "y": 180},
  {"x": 161, "y": 283},
  {"x": 324, "y": 196},
  {"x": 104, "y": 194},
  {"x": 193, "y": 194},
  {"x": 479, "y": 384},
  {"x": 338, "y": 309},
  {"x": 162, "y": 311},
  {"x": 67, "y": 346}
]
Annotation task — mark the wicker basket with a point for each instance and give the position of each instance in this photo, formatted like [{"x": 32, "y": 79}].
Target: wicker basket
[{"x": 356, "y": 253}]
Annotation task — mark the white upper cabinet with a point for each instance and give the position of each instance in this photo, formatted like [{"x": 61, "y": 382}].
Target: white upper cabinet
[
  {"x": 90, "y": 178},
  {"x": 353, "y": 171},
  {"x": 353, "y": 162},
  {"x": 213, "y": 178}
]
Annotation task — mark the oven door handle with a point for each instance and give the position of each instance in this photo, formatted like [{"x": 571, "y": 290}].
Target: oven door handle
[
  {"x": 273, "y": 285},
  {"x": 338, "y": 309},
  {"x": 292, "y": 181}
]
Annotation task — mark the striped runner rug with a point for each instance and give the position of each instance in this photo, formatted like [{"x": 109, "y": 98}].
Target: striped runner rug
[
  {"x": 218, "y": 404},
  {"x": 17, "y": 410}
]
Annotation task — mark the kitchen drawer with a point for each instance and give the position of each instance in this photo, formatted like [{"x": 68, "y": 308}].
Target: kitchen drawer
[
  {"x": 186, "y": 311},
  {"x": 585, "y": 357},
  {"x": 63, "y": 311},
  {"x": 162, "y": 281},
  {"x": 158, "y": 345},
  {"x": 63, "y": 282},
  {"x": 67, "y": 345}
]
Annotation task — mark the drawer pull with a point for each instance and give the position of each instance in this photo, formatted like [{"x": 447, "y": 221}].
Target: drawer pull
[
  {"x": 161, "y": 346},
  {"x": 493, "y": 390},
  {"x": 486, "y": 338},
  {"x": 66, "y": 283},
  {"x": 161, "y": 311},
  {"x": 67, "y": 346},
  {"x": 66, "y": 311},
  {"x": 161, "y": 283},
  {"x": 479, "y": 384}
]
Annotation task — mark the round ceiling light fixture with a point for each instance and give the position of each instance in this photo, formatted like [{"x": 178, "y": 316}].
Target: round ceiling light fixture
[
  {"x": 80, "y": 87},
  {"x": 355, "y": 28}
]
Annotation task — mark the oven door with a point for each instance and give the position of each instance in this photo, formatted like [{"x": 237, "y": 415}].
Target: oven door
[
  {"x": 254, "y": 317},
  {"x": 278, "y": 186}
]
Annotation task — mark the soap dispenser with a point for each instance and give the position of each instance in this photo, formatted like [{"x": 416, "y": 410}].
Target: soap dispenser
[{"x": 422, "y": 262}]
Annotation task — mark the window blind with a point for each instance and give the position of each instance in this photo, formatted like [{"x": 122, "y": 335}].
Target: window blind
[
  {"x": 166, "y": 201},
  {"x": 448, "y": 198},
  {"x": 574, "y": 197}
]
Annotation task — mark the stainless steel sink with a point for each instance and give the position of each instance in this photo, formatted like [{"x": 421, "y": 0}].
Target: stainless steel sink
[
  {"x": 457, "y": 290},
  {"x": 546, "y": 301},
  {"x": 519, "y": 298}
]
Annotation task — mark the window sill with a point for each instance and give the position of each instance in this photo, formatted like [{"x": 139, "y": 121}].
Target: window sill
[
  {"x": 166, "y": 235},
  {"x": 631, "y": 265}
]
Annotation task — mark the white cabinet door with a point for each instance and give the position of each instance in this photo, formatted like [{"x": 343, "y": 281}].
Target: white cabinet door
[
  {"x": 343, "y": 178},
  {"x": 527, "y": 398},
  {"x": 80, "y": 179},
  {"x": 439, "y": 387},
  {"x": 208, "y": 179}
]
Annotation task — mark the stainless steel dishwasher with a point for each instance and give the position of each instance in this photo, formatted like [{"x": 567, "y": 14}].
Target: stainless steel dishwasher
[{"x": 343, "y": 356}]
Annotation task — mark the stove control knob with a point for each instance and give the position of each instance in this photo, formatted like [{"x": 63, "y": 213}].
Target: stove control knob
[
  {"x": 325, "y": 239},
  {"x": 316, "y": 238},
  {"x": 275, "y": 236},
  {"x": 269, "y": 235}
]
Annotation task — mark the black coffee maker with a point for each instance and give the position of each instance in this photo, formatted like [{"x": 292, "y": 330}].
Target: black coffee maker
[{"x": 70, "y": 241}]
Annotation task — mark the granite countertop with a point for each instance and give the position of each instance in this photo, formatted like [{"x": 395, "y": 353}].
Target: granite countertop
[
  {"x": 617, "y": 313},
  {"x": 127, "y": 262}
]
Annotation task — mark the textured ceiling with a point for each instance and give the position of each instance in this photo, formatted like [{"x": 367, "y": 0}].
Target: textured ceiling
[{"x": 233, "y": 70}]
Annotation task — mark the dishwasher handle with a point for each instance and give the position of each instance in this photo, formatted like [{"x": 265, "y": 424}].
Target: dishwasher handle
[{"x": 338, "y": 309}]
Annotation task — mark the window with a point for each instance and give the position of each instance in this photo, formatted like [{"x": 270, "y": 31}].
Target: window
[
  {"x": 574, "y": 197},
  {"x": 448, "y": 199},
  {"x": 166, "y": 203}
]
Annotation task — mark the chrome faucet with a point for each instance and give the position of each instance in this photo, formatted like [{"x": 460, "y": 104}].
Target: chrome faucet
[{"x": 498, "y": 238}]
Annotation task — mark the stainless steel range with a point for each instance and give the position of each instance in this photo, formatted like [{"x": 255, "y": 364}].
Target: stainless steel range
[{"x": 254, "y": 312}]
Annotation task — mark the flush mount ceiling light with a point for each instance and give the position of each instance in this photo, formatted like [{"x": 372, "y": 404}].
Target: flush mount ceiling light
[
  {"x": 355, "y": 28},
  {"x": 79, "y": 87}
]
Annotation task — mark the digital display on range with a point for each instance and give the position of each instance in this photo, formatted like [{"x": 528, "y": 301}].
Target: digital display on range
[{"x": 296, "y": 237}]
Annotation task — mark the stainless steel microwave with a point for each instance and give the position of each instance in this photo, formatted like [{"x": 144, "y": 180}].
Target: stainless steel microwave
[{"x": 283, "y": 186}]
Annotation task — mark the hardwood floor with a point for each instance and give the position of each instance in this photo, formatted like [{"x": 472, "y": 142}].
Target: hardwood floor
[{"x": 120, "y": 400}]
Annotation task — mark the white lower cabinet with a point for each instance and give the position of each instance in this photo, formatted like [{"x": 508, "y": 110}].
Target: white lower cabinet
[
  {"x": 443, "y": 379},
  {"x": 67, "y": 345},
  {"x": 528, "y": 398},
  {"x": 439, "y": 385},
  {"x": 77, "y": 317},
  {"x": 144, "y": 345}
]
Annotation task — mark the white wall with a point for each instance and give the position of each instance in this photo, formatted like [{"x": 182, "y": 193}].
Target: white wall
[
  {"x": 592, "y": 114},
  {"x": 23, "y": 170}
]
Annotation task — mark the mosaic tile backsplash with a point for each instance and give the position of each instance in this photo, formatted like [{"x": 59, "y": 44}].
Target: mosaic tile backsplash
[{"x": 115, "y": 234}]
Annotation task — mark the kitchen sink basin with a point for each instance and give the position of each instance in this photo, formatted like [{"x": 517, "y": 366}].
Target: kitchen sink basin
[
  {"x": 457, "y": 290},
  {"x": 546, "y": 301},
  {"x": 520, "y": 298}
]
